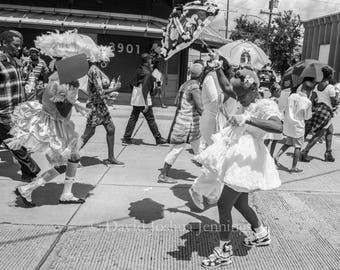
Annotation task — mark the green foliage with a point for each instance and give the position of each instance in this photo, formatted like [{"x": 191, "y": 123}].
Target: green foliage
[{"x": 284, "y": 37}]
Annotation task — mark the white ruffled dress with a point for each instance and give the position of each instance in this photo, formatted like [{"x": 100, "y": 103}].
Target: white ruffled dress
[
  {"x": 41, "y": 128},
  {"x": 238, "y": 157}
]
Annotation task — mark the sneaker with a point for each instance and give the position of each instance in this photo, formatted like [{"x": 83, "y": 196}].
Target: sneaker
[
  {"x": 113, "y": 161},
  {"x": 219, "y": 257},
  {"x": 305, "y": 158},
  {"x": 127, "y": 141},
  {"x": 197, "y": 199},
  {"x": 258, "y": 239},
  {"x": 161, "y": 140},
  {"x": 295, "y": 170},
  {"x": 26, "y": 197},
  {"x": 329, "y": 157},
  {"x": 166, "y": 179},
  {"x": 69, "y": 198}
]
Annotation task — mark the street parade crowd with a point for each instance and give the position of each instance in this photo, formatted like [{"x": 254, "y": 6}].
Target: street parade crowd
[{"x": 220, "y": 113}]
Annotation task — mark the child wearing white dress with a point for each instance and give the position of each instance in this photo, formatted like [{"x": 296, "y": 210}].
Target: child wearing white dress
[{"x": 238, "y": 163}]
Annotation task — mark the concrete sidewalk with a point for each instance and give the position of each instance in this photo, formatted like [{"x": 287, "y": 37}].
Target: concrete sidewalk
[{"x": 130, "y": 221}]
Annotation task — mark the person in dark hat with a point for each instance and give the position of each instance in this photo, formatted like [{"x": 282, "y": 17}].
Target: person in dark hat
[{"x": 142, "y": 85}]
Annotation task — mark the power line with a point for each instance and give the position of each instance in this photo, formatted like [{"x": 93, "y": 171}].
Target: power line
[{"x": 327, "y": 2}]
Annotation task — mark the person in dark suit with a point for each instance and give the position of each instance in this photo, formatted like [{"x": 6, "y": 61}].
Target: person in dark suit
[{"x": 142, "y": 86}]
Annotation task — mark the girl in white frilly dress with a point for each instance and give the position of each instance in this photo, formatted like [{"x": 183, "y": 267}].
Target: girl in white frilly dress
[{"x": 238, "y": 163}]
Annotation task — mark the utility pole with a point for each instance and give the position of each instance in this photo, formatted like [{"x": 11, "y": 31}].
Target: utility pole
[
  {"x": 272, "y": 4},
  {"x": 227, "y": 21}
]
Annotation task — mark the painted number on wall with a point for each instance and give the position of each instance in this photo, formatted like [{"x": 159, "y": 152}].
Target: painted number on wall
[{"x": 125, "y": 48}]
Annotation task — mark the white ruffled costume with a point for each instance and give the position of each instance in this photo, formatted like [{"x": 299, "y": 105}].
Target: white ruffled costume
[
  {"x": 41, "y": 128},
  {"x": 238, "y": 157}
]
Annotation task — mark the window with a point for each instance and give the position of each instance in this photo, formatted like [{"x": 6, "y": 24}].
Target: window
[{"x": 324, "y": 53}]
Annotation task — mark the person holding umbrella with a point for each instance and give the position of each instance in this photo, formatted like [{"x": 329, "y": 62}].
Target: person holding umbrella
[{"x": 321, "y": 123}]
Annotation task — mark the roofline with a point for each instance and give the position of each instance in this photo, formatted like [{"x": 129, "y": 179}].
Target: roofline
[
  {"x": 81, "y": 13},
  {"x": 323, "y": 19}
]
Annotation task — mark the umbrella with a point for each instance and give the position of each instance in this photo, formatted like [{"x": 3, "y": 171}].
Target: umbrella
[
  {"x": 185, "y": 25},
  {"x": 243, "y": 52},
  {"x": 306, "y": 68}
]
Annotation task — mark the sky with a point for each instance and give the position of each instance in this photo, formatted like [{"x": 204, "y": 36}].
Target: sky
[{"x": 307, "y": 9}]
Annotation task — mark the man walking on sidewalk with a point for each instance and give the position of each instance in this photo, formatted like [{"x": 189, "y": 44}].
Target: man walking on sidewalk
[
  {"x": 142, "y": 85},
  {"x": 12, "y": 94}
]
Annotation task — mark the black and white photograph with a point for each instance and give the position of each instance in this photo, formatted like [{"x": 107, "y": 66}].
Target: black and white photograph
[{"x": 169, "y": 134}]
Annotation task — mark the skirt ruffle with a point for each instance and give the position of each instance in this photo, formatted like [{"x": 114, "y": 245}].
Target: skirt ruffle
[
  {"x": 240, "y": 161},
  {"x": 37, "y": 131}
]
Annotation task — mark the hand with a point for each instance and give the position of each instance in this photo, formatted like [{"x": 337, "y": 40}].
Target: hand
[
  {"x": 145, "y": 109},
  {"x": 117, "y": 85},
  {"x": 114, "y": 94},
  {"x": 237, "y": 120}
]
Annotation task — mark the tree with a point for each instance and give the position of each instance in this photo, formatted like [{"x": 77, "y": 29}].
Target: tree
[
  {"x": 246, "y": 29},
  {"x": 283, "y": 39}
]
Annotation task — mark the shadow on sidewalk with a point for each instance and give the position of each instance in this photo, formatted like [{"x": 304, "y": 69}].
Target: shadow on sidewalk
[
  {"x": 87, "y": 161},
  {"x": 180, "y": 174},
  {"x": 141, "y": 142},
  {"x": 146, "y": 210},
  {"x": 50, "y": 194},
  {"x": 313, "y": 157},
  {"x": 202, "y": 237}
]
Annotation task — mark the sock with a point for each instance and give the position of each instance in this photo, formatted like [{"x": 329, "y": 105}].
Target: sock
[
  {"x": 70, "y": 175},
  {"x": 226, "y": 246}
]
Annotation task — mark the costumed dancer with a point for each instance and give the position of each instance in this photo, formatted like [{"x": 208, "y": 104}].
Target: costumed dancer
[
  {"x": 100, "y": 89},
  {"x": 47, "y": 128},
  {"x": 185, "y": 127},
  {"x": 239, "y": 161}
]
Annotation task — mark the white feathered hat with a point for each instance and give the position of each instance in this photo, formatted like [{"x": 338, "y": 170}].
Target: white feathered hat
[{"x": 70, "y": 43}]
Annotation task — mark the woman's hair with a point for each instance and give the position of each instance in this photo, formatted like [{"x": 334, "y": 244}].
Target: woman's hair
[{"x": 327, "y": 72}]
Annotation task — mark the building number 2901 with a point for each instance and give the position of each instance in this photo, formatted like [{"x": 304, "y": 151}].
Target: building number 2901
[{"x": 127, "y": 48}]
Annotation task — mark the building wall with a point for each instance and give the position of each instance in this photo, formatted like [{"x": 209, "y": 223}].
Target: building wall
[
  {"x": 322, "y": 41},
  {"x": 128, "y": 50}
]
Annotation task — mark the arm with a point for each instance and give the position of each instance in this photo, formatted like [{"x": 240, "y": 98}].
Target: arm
[
  {"x": 272, "y": 125},
  {"x": 225, "y": 84},
  {"x": 147, "y": 86},
  {"x": 196, "y": 96}
]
